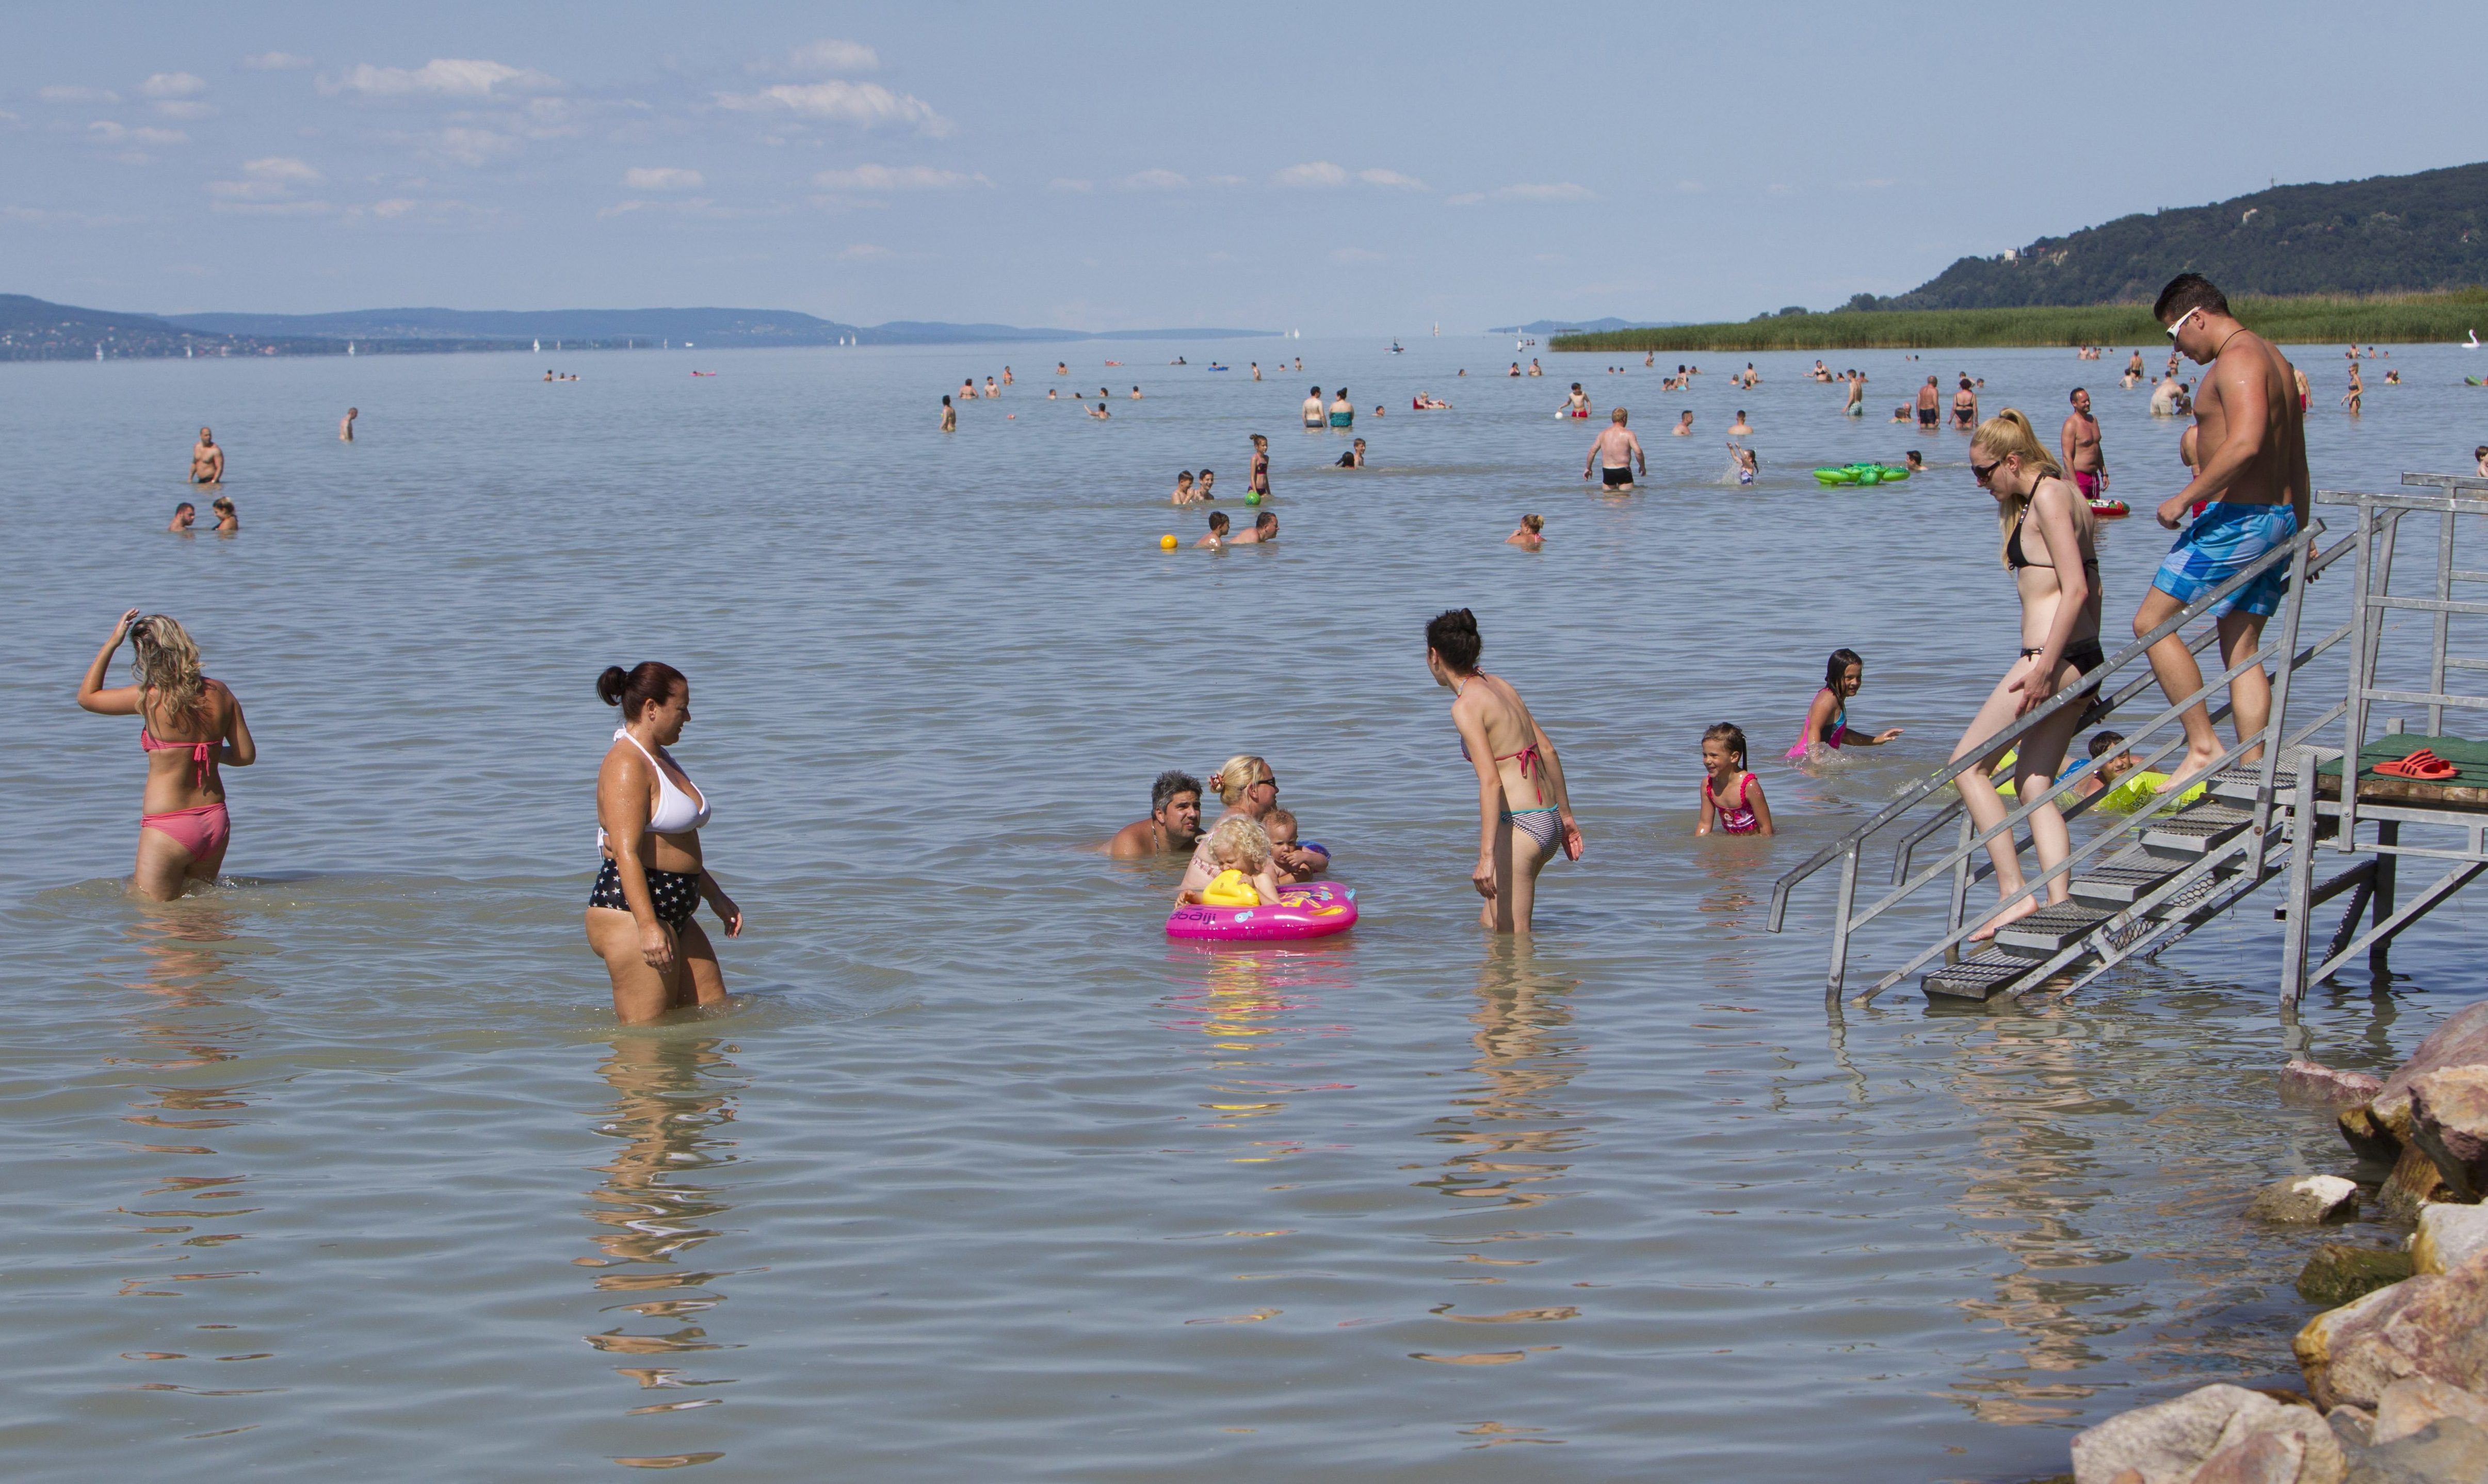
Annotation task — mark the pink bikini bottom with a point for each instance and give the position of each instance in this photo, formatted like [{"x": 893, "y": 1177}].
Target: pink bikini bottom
[{"x": 201, "y": 831}]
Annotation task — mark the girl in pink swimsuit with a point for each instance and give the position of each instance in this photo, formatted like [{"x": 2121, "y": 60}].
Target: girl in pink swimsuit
[
  {"x": 1826, "y": 720},
  {"x": 1732, "y": 798},
  {"x": 188, "y": 726}
]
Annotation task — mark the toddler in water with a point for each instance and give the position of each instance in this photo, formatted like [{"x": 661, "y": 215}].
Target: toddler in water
[
  {"x": 1827, "y": 721},
  {"x": 1732, "y": 798},
  {"x": 1184, "y": 493},
  {"x": 1532, "y": 534},
  {"x": 1241, "y": 850},
  {"x": 1217, "y": 536},
  {"x": 1294, "y": 862}
]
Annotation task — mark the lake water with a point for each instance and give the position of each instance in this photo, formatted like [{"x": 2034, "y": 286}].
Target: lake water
[{"x": 343, "y": 1169}]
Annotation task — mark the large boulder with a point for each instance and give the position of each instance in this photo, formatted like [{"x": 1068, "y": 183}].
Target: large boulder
[
  {"x": 2448, "y": 1119},
  {"x": 2434, "y": 1325},
  {"x": 2462, "y": 1040},
  {"x": 2423, "y": 1432},
  {"x": 2217, "y": 1434},
  {"x": 2308, "y": 1200},
  {"x": 2448, "y": 1237},
  {"x": 2305, "y": 1082}
]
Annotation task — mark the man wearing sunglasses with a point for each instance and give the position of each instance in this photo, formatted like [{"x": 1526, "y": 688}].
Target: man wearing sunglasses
[{"x": 2251, "y": 442}]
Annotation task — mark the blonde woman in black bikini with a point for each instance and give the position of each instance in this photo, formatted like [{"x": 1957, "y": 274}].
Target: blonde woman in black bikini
[
  {"x": 648, "y": 814},
  {"x": 2051, "y": 549},
  {"x": 1524, "y": 814},
  {"x": 189, "y": 726}
]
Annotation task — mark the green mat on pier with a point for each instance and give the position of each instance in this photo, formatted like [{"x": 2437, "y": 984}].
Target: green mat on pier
[{"x": 2470, "y": 757}]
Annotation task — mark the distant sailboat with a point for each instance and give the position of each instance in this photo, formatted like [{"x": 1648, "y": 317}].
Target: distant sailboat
[
  {"x": 537, "y": 345},
  {"x": 99, "y": 351},
  {"x": 350, "y": 346}
]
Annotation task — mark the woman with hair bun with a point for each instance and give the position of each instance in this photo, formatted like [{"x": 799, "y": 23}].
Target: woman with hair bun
[
  {"x": 2050, "y": 547},
  {"x": 648, "y": 816},
  {"x": 188, "y": 726},
  {"x": 1524, "y": 814},
  {"x": 1246, "y": 787}
]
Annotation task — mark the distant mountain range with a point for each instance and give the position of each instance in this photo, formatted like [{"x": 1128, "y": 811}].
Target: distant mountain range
[
  {"x": 1576, "y": 327},
  {"x": 2385, "y": 235},
  {"x": 34, "y": 330}
]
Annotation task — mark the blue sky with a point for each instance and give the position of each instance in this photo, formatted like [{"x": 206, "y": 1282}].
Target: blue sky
[{"x": 1341, "y": 169}]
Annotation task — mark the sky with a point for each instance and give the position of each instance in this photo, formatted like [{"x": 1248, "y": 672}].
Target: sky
[{"x": 1335, "y": 169}]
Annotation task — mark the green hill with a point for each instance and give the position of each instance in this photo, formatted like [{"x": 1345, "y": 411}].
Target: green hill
[{"x": 2391, "y": 234}]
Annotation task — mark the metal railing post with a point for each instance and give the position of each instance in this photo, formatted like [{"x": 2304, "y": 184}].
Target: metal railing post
[
  {"x": 2444, "y": 623},
  {"x": 1849, "y": 864},
  {"x": 2366, "y": 633},
  {"x": 2302, "y": 884}
]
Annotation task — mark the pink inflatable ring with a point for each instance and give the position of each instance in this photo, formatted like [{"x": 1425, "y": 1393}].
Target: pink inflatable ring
[{"x": 1314, "y": 910}]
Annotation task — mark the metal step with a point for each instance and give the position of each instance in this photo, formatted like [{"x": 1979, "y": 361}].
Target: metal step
[
  {"x": 2120, "y": 886},
  {"x": 1979, "y": 977},
  {"x": 2238, "y": 784},
  {"x": 2196, "y": 832},
  {"x": 2049, "y": 929}
]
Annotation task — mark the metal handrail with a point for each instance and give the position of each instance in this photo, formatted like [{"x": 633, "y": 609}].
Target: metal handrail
[{"x": 1974, "y": 756}]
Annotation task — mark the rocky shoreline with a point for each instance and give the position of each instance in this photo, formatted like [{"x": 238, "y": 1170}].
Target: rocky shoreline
[{"x": 2396, "y": 1373}]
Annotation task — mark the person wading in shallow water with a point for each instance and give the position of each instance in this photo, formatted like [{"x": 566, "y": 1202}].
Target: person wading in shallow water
[
  {"x": 1524, "y": 814},
  {"x": 648, "y": 817},
  {"x": 189, "y": 726},
  {"x": 1174, "y": 824}
]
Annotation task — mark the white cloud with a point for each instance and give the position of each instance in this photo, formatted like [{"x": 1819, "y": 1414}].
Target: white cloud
[
  {"x": 1561, "y": 192},
  {"x": 268, "y": 179},
  {"x": 1319, "y": 173},
  {"x": 444, "y": 76},
  {"x": 105, "y": 132},
  {"x": 471, "y": 146},
  {"x": 867, "y": 104},
  {"x": 1061, "y": 183},
  {"x": 1392, "y": 180},
  {"x": 76, "y": 95},
  {"x": 1354, "y": 255},
  {"x": 1154, "y": 180},
  {"x": 186, "y": 110},
  {"x": 896, "y": 177},
  {"x": 661, "y": 177},
  {"x": 828, "y": 55},
  {"x": 863, "y": 252},
  {"x": 274, "y": 62},
  {"x": 173, "y": 85},
  {"x": 1465, "y": 198}
]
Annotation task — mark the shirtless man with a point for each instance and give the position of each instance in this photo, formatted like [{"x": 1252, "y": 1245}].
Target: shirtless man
[
  {"x": 1314, "y": 410},
  {"x": 1174, "y": 824},
  {"x": 2163, "y": 397},
  {"x": 2133, "y": 368},
  {"x": 1614, "y": 454},
  {"x": 2251, "y": 443},
  {"x": 1061, "y": 369},
  {"x": 1857, "y": 407},
  {"x": 1533, "y": 367},
  {"x": 2080, "y": 440},
  {"x": 186, "y": 513},
  {"x": 991, "y": 390},
  {"x": 346, "y": 425},
  {"x": 207, "y": 460},
  {"x": 1927, "y": 407},
  {"x": 1683, "y": 427},
  {"x": 1740, "y": 430},
  {"x": 1265, "y": 528}
]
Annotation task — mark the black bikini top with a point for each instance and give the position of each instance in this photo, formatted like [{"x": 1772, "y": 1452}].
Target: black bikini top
[{"x": 2014, "y": 557}]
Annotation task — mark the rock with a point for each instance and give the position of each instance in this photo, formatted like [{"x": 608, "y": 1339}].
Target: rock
[
  {"x": 2365, "y": 1137},
  {"x": 2449, "y": 1121},
  {"x": 2450, "y": 1451},
  {"x": 2216, "y": 1435},
  {"x": 2415, "y": 1181},
  {"x": 2420, "y": 1401},
  {"x": 2433, "y": 1325},
  {"x": 2448, "y": 1237},
  {"x": 2353, "y": 1427},
  {"x": 2308, "y": 1200},
  {"x": 2462, "y": 1040},
  {"x": 2338, "y": 1274},
  {"x": 2305, "y": 1082}
]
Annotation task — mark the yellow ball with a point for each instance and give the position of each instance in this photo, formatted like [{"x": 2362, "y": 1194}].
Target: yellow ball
[{"x": 1166, "y": 543}]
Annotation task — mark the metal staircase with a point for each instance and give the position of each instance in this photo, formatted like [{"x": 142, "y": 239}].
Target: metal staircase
[{"x": 2136, "y": 885}]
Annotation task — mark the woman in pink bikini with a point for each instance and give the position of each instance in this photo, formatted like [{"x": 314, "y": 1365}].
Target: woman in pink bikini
[
  {"x": 190, "y": 726},
  {"x": 1827, "y": 721},
  {"x": 1524, "y": 814}
]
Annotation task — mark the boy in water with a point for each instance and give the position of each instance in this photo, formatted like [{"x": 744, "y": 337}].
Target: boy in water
[{"x": 1216, "y": 540}]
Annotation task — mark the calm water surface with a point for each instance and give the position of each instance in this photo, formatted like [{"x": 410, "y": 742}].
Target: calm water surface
[{"x": 343, "y": 1168}]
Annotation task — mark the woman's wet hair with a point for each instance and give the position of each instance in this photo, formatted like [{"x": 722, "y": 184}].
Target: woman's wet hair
[
  {"x": 1236, "y": 837},
  {"x": 1835, "y": 670},
  {"x": 1734, "y": 736},
  {"x": 1453, "y": 636},
  {"x": 633, "y": 689},
  {"x": 1172, "y": 781},
  {"x": 162, "y": 659},
  {"x": 1534, "y": 523},
  {"x": 1241, "y": 772},
  {"x": 222, "y": 504}
]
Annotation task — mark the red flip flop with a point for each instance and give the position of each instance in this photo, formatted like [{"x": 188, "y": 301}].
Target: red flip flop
[{"x": 2422, "y": 765}]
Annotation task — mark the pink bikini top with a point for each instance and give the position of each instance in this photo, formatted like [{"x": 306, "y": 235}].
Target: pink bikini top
[{"x": 203, "y": 756}]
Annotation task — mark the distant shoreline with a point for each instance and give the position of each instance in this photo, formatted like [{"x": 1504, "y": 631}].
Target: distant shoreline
[{"x": 2384, "y": 318}]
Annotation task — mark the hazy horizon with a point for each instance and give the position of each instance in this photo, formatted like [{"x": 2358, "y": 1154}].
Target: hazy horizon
[{"x": 1338, "y": 172}]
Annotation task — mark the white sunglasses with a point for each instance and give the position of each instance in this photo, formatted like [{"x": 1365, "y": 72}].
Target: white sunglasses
[{"x": 2182, "y": 319}]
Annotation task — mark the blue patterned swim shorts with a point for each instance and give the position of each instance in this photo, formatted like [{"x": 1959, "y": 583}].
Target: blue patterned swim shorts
[{"x": 2224, "y": 541}]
